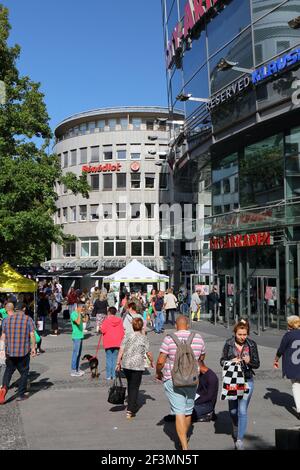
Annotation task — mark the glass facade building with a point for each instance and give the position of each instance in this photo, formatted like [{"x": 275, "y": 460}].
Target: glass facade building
[{"x": 242, "y": 144}]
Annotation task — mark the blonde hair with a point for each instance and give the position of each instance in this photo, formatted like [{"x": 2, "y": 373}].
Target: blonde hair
[
  {"x": 102, "y": 296},
  {"x": 294, "y": 322}
]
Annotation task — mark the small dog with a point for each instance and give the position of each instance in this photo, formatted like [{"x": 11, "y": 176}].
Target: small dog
[{"x": 93, "y": 363}]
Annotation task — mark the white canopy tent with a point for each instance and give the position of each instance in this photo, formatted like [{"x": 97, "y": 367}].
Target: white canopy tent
[{"x": 136, "y": 272}]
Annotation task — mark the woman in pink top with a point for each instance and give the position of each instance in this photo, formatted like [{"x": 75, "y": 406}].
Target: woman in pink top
[{"x": 113, "y": 333}]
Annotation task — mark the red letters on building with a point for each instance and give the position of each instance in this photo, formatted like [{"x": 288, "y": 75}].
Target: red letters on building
[
  {"x": 108, "y": 167},
  {"x": 240, "y": 241}
]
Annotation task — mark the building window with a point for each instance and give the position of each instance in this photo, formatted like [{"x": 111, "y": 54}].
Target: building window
[
  {"x": 121, "y": 210},
  {"x": 121, "y": 154},
  {"x": 69, "y": 249},
  {"x": 83, "y": 155},
  {"x": 95, "y": 154},
  {"x": 100, "y": 125},
  {"x": 89, "y": 247},
  {"x": 82, "y": 213},
  {"x": 107, "y": 152},
  {"x": 135, "y": 180},
  {"x": 112, "y": 124},
  {"x": 65, "y": 159},
  {"x": 95, "y": 182},
  {"x": 150, "y": 125},
  {"x": 82, "y": 128},
  {"x": 135, "y": 210},
  {"x": 91, "y": 126},
  {"x": 121, "y": 180},
  {"x": 148, "y": 248},
  {"x": 65, "y": 189},
  {"x": 107, "y": 182},
  {"x": 149, "y": 180},
  {"x": 65, "y": 215},
  {"x": 73, "y": 213},
  {"x": 124, "y": 123},
  {"x": 136, "y": 247},
  {"x": 58, "y": 216},
  {"x": 135, "y": 156},
  {"x": 163, "y": 248},
  {"x": 94, "y": 212},
  {"x": 73, "y": 157},
  {"x": 136, "y": 123},
  {"x": 107, "y": 211},
  {"x": 149, "y": 209},
  {"x": 114, "y": 247},
  {"x": 141, "y": 247},
  {"x": 163, "y": 181}
]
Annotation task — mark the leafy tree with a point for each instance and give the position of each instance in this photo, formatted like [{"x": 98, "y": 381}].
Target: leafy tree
[{"x": 28, "y": 175}]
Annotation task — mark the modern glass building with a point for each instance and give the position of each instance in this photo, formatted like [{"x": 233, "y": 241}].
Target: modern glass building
[
  {"x": 241, "y": 142},
  {"x": 123, "y": 152}
]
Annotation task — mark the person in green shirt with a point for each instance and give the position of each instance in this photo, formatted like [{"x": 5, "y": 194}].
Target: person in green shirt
[{"x": 77, "y": 337}]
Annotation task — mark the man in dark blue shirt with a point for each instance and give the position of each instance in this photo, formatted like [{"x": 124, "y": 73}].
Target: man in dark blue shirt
[
  {"x": 206, "y": 395},
  {"x": 159, "y": 315}
]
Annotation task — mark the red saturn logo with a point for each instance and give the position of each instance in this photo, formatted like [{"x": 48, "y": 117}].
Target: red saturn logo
[{"x": 135, "y": 166}]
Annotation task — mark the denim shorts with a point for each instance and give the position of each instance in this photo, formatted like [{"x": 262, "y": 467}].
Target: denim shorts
[{"x": 181, "y": 398}]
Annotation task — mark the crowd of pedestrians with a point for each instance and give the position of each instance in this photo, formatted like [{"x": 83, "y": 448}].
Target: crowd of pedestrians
[{"x": 123, "y": 325}]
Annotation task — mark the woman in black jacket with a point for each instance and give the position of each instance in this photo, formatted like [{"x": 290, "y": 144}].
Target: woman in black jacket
[{"x": 240, "y": 348}]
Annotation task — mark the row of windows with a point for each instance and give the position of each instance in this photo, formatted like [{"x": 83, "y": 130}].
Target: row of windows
[
  {"x": 119, "y": 181},
  {"x": 108, "y": 211},
  {"x": 89, "y": 247},
  {"x": 109, "y": 125},
  {"x": 108, "y": 153}
]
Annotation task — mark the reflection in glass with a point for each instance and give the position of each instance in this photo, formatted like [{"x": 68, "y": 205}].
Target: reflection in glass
[{"x": 261, "y": 172}]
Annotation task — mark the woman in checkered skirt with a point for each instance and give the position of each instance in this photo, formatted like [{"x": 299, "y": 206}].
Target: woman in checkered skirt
[{"x": 240, "y": 348}]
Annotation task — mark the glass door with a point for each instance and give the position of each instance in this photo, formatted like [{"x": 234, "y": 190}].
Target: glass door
[{"x": 263, "y": 303}]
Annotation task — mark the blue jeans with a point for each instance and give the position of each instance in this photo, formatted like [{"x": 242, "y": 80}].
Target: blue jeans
[
  {"x": 238, "y": 412},
  {"x": 159, "y": 321},
  {"x": 111, "y": 361},
  {"x": 77, "y": 347}
]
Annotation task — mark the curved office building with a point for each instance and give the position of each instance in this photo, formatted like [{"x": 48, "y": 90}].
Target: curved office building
[
  {"x": 242, "y": 144},
  {"x": 124, "y": 152}
]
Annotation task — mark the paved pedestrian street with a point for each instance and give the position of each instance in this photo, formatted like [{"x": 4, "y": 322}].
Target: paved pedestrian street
[{"x": 66, "y": 412}]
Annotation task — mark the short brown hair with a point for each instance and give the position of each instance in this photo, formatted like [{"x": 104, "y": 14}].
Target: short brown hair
[
  {"x": 112, "y": 310},
  {"x": 132, "y": 305},
  {"x": 242, "y": 325},
  {"x": 137, "y": 324}
]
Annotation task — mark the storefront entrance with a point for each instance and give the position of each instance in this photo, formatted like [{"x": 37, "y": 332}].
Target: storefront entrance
[{"x": 263, "y": 303}]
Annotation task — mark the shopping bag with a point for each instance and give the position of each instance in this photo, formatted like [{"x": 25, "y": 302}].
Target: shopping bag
[
  {"x": 234, "y": 385},
  {"x": 116, "y": 393},
  {"x": 2, "y": 353},
  {"x": 40, "y": 325}
]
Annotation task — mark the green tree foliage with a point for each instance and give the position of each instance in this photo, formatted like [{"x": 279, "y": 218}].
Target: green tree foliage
[{"x": 27, "y": 173}]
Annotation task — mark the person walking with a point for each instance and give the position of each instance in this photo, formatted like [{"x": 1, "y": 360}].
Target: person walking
[
  {"x": 241, "y": 349},
  {"x": 289, "y": 350},
  {"x": 158, "y": 312},
  {"x": 195, "y": 305},
  {"x": 113, "y": 333},
  {"x": 213, "y": 303},
  {"x": 129, "y": 317},
  {"x": 170, "y": 306},
  {"x": 181, "y": 399},
  {"x": 131, "y": 358},
  {"x": 77, "y": 337},
  {"x": 43, "y": 309},
  {"x": 19, "y": 339},
  {"x": 100, "y": 310}
]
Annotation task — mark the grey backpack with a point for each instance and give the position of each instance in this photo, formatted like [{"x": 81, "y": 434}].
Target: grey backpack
[{"x": 185, "y": 372}]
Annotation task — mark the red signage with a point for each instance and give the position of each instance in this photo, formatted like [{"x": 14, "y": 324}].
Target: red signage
[
  {"x": 241, "y": 241},
  {"x": 106, "y": 168},
  {"x": 135, "y": 166},
  {"x": 195, "y": 11}
]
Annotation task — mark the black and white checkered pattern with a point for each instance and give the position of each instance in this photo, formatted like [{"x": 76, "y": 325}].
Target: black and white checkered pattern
[{"x": 234, "y": 384}]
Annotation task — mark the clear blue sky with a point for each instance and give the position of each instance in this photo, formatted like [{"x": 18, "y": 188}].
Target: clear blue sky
[{"x": 91, "y": 54}]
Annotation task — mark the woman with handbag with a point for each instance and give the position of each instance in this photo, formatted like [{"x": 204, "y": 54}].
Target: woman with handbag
[
  {"x": 242, "y": 350},
  {"x": 131, "y": 358}
]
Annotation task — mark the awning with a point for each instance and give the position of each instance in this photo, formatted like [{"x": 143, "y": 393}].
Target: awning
[
  {"x": 103, "y": 273},
  {"x": 12, "y": 281},
  {"x": 79, "y": 273}
]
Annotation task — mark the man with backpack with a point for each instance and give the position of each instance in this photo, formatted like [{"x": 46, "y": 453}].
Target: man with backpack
[{"x": 178, "y": 367}]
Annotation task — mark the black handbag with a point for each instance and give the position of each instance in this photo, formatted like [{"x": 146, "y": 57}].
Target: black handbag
[{"x": 116, "y": 393}]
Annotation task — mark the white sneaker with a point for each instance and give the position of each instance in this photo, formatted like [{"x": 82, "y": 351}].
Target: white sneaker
[
  {"x": 239, "y": 445},
  {"x": 73, "y": 373},
  {"x": 79, "y": 373}
]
